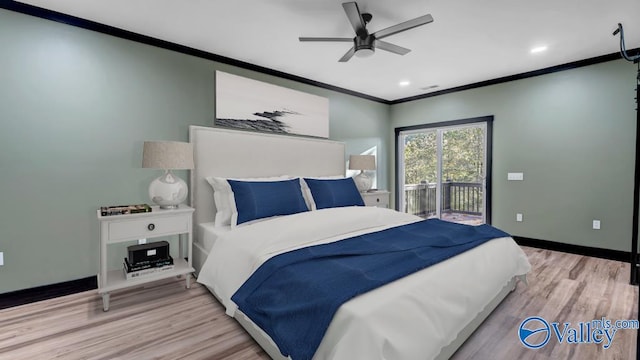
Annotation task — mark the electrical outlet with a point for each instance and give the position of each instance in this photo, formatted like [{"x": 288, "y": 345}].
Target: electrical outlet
[
  {"x": 596, "y": 224},
  {"x": 515, "y": 176},
  {"x": 142, "y": 241},
  {"x": 1, "y": 258},
  {"x": 519, "y": 217}
]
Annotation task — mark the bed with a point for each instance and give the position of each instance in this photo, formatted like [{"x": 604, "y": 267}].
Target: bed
[{"x": 425, "y": 315}]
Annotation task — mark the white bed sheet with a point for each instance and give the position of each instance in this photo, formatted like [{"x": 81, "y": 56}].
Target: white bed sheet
[
  {"x": 211, "y": 233},
  {"x": 411, "y": 318}
]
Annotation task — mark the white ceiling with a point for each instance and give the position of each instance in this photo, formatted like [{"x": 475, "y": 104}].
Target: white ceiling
[{"x": 468, "y": 42}]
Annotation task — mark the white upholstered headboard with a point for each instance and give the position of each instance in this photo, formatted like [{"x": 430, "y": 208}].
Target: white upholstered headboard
[{"x": 233, "y": 153}]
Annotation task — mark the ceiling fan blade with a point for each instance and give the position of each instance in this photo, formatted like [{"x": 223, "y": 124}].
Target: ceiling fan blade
[
  {"x": 325, "y": 39},
  {"x": 409, "y": 24},
  {"x": 383, "y": 45},
  {"x": 355, "y": 18},
  {"x": 348, "y": 55}
]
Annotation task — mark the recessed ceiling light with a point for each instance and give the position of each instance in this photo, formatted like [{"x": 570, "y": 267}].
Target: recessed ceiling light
[
  {"x": 404, "y": 83},
  {"x": 538, "y": 49}
]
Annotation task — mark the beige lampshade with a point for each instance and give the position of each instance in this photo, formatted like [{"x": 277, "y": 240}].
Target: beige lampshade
[
  {"x": 167, "y": 155},
  {"x": 362, "y": 162}
]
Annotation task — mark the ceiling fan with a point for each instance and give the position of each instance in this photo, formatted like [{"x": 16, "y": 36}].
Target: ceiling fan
[{"x": 364, "y": 44}]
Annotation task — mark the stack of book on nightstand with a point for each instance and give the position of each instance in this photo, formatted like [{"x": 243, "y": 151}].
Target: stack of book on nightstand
[
  {"x": 147, "y": 259},
  {"x": 124, "y": 209}
]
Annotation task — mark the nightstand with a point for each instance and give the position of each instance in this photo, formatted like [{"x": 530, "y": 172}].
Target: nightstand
[
  {"x": 131, "y": 227},
  {"x": 379, "y": 198}
]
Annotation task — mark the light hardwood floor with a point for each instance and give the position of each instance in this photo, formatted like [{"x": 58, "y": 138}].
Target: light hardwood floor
[
  {"x": 561, "y": 288},
  {"x": 165, "y": 321}
]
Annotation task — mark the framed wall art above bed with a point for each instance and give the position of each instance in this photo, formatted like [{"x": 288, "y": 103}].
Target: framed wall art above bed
[{"x": 248, "y": 104}]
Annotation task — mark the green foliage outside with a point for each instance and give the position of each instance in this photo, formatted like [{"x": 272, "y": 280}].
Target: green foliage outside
[{"x": 462, "y": 153}]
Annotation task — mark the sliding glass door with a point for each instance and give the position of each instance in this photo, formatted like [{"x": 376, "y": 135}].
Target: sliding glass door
[
  {"x": 420, "y": 173},
  {"x": 442, "y": 170}
]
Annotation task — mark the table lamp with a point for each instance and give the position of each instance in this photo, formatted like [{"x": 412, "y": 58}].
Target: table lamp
[
  {"x": 362, "y": 163},
  {"x": 168, "y": 190}
]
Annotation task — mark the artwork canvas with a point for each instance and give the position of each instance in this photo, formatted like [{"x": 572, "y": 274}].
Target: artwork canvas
[{"x": 249, "y": 104}]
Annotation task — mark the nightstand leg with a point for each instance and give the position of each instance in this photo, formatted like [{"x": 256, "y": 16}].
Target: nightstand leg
[
  {"x": 180, "y": 241},
  {"x": 105, "y": 302},
  {"x": 188, "y": 276}
]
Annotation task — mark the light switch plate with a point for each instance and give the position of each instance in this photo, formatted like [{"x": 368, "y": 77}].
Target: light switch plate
[
  {"x": 1, "y": 258},
  {"x": 518, "y": 217},
  {"x": 515, "y": 176},
  {"x": 596, "y": 224}
]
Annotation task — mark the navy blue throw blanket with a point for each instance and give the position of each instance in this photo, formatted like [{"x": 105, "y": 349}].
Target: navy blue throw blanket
[{"x": 293, "y": 296}]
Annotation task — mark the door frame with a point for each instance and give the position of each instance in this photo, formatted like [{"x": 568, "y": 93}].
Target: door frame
[{"x": 469, "y": 121}]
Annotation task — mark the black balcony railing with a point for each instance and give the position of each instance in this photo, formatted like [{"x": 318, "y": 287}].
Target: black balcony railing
[{"x": 457, "y": 197}]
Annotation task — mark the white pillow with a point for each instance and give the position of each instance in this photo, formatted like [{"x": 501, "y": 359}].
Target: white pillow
[
  {"x": 223, "y": 196},
  {"x": 306, "y": 192}
]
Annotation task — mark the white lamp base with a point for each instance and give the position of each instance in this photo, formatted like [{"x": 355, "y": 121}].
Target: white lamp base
[
  {"x": 363, "y": 182},
  {"x": 168, "y": 191}
]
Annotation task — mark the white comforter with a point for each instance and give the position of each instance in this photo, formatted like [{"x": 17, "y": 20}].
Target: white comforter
[{"x": 411, "y": 318}]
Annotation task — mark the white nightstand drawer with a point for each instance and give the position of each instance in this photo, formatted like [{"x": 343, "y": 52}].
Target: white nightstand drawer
[
  {"x": 143, "y": 228},
  {"x": 377, "y": 198}
]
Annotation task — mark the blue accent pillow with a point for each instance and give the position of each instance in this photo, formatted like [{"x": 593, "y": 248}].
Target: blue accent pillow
[
  {"x": 331, "y": 193},
  {"x": 262, "y": 199}
]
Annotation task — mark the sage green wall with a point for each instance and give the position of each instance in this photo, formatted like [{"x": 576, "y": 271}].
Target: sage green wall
[
  {"x": 572, "y": 133},
  {"x": 75, "y": 107}
]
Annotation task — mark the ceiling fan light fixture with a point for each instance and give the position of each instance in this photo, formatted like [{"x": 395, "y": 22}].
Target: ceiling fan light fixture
[
  {"x": 364, "y": 52},
  {"x": 363, "y": 46}
]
